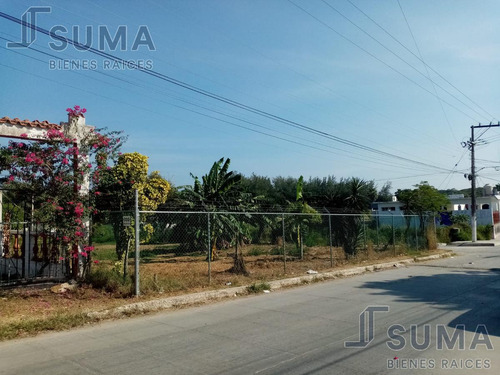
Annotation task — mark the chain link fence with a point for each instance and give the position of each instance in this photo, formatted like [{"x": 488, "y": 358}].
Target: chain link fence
[{"x": 188, "y": 249}]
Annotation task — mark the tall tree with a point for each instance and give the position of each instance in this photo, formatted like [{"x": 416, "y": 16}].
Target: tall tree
[
  {"x": 307, "y": 216},
  {"x": 423, "y": 201},
  {"x": 115, "y": 192},
  {"x": 385, "y": 193},
  {"x": 219, "y": 192},
  {"x": 355, "y": 196}
]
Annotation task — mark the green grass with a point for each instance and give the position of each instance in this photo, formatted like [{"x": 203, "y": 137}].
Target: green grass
[{"x": 105, "y": 252}]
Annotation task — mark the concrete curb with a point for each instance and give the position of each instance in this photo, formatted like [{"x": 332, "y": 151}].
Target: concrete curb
[{"x": 215, "y": 295}]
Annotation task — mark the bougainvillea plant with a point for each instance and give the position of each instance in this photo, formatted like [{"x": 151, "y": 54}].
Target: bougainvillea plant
[
  {"x": 76, "y": 111},
  {"x": 57, "y": 174}
]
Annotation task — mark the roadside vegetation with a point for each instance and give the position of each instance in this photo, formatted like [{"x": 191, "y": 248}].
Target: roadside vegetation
[{"x": 223, "y": 230}]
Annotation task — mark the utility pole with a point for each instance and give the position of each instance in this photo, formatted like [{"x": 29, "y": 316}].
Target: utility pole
[{"x": 472, "y": 177}]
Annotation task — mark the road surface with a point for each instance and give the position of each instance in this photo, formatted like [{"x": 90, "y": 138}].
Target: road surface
[{"x": 453, "y": 304}]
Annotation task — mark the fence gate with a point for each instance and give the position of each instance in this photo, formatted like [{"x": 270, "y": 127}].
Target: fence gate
[{"x": 30, "y": 253}]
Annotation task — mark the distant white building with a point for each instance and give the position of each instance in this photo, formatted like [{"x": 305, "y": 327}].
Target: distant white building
[
  {"x": 487, "y": 208},
  {"x": 394, "y": 207}
]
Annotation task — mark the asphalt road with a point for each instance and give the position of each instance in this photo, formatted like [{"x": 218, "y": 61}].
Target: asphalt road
[{"x": 301, "y": 330}]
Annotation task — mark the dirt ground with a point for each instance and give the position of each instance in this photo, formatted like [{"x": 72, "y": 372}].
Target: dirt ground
[{"x": 169, "y": 274}]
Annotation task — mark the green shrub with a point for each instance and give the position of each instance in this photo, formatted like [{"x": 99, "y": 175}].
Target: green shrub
[
  {"x": 103, "y": 233},
  {"x": 484, "y": 232},
  {"x": 461, "y": 233},
  {"x": 111, "y": 281},
  {"x": 315, "y": 237},
  {"x": 258, "y": 287},
  {"x": 443, "y": 234}
]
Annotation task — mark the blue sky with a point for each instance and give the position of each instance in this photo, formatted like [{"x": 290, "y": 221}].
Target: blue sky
[{"x": 321, "y": 64}]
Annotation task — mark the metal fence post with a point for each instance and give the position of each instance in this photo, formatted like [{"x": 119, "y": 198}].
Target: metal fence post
[
  {"x": 137, "y": 252},
  {"x": 377, "y": 219},
  {"x": 393, "y": 236},
  {"x": 209, "y": 251},
  {"x": 364, "y": 231},
  {"x": 284, "y": 249},
  {"x": 416, "y": 233},
  {"x": 330, "y": 235}
]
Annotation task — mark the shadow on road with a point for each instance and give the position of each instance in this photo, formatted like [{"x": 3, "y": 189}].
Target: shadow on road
[{"x": 477, "y": 292}]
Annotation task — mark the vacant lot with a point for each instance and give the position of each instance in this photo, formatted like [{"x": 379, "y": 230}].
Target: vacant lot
[{"x": 26, "y": 311}]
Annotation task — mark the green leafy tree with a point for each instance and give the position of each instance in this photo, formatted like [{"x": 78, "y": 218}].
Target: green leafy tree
[
  {"x": 50, "y": 176},
  {"x": 385, "y": 194},
  {"x": 299, "y": 224},
  {"x": 218, "y": 192},
  {"x": 423, "y": 201},
  {"x": 354, "y": 196},
  {"x": 116, "y": 192}
]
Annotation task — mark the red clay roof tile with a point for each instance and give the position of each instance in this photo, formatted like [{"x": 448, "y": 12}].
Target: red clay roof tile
[{"x": 33, "y": 124}]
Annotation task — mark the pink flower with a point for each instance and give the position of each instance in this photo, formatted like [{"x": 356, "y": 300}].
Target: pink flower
[
  {"x": 96, "y": 261},
  {"x": 11, "y": 178},
  {"x": 84, "y": 254},
  {"x": 65, "y": 161},
  {"x": 61, "y": 258},
  {"x": 24, "y": 135}
]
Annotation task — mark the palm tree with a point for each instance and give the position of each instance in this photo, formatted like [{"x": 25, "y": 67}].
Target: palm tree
[
  {"x": 219, "y": 192},
  {"x": 356, "y": 195}
]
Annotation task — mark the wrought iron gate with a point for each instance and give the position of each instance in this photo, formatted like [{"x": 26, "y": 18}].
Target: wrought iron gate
[{"x": 30, "y": 253}]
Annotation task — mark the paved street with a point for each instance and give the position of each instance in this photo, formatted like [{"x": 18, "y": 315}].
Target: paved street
[{"x": 301, "y": 330}]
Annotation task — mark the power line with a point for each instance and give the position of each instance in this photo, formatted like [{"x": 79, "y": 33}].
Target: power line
[
  {"x": 428, "y": 74},
  {"x": 378, "y": 59},
  {"x": 213, "y": 95},
  {"x": 407, "y": 49},
  {"x": 217, "y": 112},
  {"x": 402, "y": 59},
  {"x": 320, "y": 84},
  {"x": 369, "y": 160},
  {"x": 225, "y": 35}
]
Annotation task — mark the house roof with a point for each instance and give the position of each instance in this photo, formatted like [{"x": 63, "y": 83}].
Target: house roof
[{"x": 31, "y": 124}]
